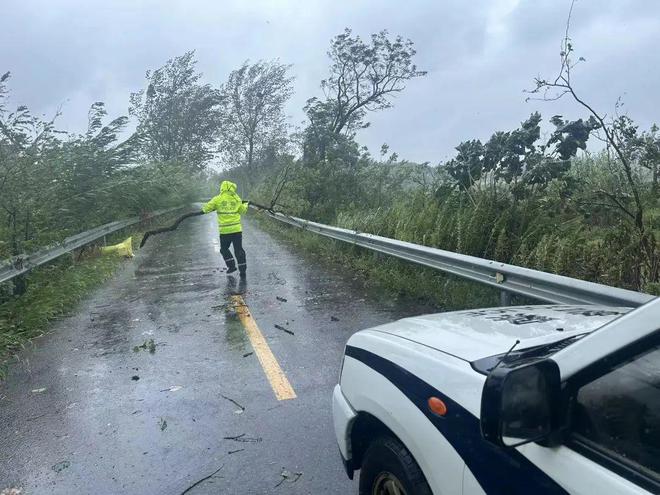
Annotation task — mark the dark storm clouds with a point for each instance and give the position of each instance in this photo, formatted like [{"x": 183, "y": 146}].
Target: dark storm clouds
[{"x": 480, "y": 55}]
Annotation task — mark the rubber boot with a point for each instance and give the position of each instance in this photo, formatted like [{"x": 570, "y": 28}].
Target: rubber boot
[
  {"x": 231, "y": 265},
  {"x": 242, "y": 269}
]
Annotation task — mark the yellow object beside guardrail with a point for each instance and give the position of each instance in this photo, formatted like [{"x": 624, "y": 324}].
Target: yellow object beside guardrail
[{"x": 123, "y": 249}]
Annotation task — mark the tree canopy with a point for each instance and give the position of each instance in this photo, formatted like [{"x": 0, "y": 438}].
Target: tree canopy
[
  {"x": 364, "y": 77},
  {"x": 178, "y": 117},
  {"x": 253, "y": 125}
]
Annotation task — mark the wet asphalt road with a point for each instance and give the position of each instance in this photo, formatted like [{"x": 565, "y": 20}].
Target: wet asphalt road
[{"x": 84, "y": 413}]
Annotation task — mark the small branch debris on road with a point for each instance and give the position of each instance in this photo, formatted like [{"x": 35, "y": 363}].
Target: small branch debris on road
[
  {"x": 173, "y": 388},
  {"x": 162, "y": 424},
  {"x": 288, "y": 476},
  {"x": 235, "y": 451},
  {"x": 244, "y": 439},
  {"x": 233, "y": 401},
  {"x": 281, "y": 299},
  {"x": 280, "y": 327},
  {"x": 334, "y": 318},
  {"x": 248, "y": 354},
  {"x": 202, "y": 480},
  {"x": 36, "y": 417}
]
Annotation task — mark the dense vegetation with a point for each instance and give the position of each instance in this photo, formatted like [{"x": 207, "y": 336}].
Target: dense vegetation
[{"x": 545, "y": 204}]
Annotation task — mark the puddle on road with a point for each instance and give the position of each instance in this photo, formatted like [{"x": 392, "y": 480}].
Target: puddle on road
[
  {"x": 114, "y": 323},
  {"x": 235, "y": 336},
  {"x": 234, "y": 287},
  {"x": 233, "y": 333},
  {"x": 315, "y": 286}
]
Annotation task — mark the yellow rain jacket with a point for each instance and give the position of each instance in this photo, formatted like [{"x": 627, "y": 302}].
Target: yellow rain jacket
[{"x": 229, "y": 207}]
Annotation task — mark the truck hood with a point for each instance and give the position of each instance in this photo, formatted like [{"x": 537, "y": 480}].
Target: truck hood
[{"x": 475, "y": 334}]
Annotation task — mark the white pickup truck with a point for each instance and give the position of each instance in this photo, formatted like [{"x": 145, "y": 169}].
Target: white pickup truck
[{"x": 516, "y": 400}]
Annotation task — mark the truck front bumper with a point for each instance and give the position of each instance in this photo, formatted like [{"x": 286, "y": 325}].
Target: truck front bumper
[{"x": 343, "y": 416}]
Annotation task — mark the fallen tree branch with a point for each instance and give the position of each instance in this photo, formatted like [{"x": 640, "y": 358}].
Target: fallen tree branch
[
  {"x": 280, "y": 327},
  {"x": 170, "y": 228},
  {"x": 174, "y": 226},
  {"x": 233, "y": 401},
  {"x": 202, "y": 480}
]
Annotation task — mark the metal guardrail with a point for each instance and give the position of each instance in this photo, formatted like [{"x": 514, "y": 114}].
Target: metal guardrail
[
  {"x": 24, "y": 263},
  {"x": 509, "y": 279}
]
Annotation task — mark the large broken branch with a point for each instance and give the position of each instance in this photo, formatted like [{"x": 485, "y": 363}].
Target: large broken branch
[{"x": 170, "y": 228}]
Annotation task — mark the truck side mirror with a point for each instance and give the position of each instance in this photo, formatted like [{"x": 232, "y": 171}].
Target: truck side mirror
[{"x": 521, "y": 404}]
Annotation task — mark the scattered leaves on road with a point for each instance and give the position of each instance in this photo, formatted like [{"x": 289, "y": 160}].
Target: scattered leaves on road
[
  {"x": 334, "y": 318},
  {"x": 61, "y": 466},
  {"x": 149, "y": 345},
  {"x": 135, "y": 378},
  {"x": 288, "y": 476},
  {"x": 281, "y": 299},
  {"x": 162, "y": 424}
]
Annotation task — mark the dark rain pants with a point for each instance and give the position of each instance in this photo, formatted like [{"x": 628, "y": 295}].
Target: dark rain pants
[{"x": 226, "y": 240}]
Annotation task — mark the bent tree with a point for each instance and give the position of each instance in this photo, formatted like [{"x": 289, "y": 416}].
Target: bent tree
[
  {"x": 364, "y": 77},
  {"x": 253, "y": 125},
  {"x": 622, "y": 145},
  {"x": 178, "y": 116}
]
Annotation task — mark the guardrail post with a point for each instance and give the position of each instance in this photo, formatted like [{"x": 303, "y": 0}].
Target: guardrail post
[{"x": 505, "y": 298}]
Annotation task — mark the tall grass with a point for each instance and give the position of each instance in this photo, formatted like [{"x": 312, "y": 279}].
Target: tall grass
[{"x": 559, "y": 229}]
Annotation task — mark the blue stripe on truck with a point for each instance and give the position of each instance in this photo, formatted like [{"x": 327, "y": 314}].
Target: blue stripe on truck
[{"x": 498, "y": 470}]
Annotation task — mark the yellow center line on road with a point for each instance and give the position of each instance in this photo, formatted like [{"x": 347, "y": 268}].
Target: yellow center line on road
[{"x": 278, "y": 380}]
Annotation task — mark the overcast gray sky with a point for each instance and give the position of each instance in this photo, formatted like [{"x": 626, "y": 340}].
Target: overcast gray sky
[{"x": 479, "y": 54}]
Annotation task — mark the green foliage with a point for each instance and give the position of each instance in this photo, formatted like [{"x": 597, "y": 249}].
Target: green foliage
[
  {"x": 563, "y": 227},
  {"x": 515, "y": 157}
]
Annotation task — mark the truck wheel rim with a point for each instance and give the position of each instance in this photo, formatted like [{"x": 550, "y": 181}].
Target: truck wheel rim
[{"x": 388, "y": 484}]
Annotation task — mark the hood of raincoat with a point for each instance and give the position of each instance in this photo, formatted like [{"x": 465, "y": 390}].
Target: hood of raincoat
[{"x": 227, "y": 186}]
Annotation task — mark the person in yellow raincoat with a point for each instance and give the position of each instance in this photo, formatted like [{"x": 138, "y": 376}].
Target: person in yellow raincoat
[{"x": 229, "y": 207}]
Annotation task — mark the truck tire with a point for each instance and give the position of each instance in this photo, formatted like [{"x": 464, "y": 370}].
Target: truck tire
[{"x": 387, "y": 466}]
